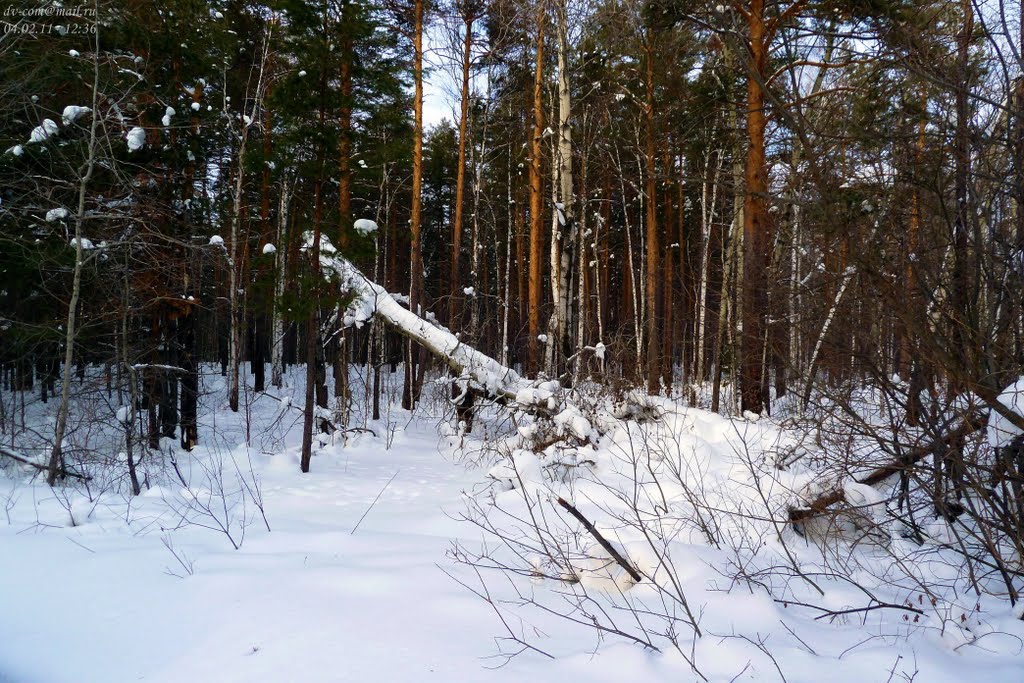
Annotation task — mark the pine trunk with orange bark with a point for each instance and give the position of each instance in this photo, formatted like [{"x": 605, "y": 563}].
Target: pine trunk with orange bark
[
  {"x": 536, "y": 282},
  {"x": 454, "y": 276},
  {"x": 652, "y": 274},
  {"x": 756, "y": 230},
  {"x": 341, "y": 387},
  {"x": 414, "y": 354}
]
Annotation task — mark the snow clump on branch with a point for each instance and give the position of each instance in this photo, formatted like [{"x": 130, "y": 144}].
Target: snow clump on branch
[
  {"x": 365, "y": 226},
  {"x": 43, "y": 131},
  {"x": 136, "y": 139}
]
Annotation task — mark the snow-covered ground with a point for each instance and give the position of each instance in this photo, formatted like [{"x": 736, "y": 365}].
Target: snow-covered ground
[
  {"x": 355, "y": 581},
  {"x": 105, "y": 600}
]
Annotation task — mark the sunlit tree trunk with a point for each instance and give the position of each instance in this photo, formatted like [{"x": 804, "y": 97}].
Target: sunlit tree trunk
[
  {"x": 564, "y": 215},
  {"x": 756, "y": 229},
  {"x": 454, "y": 276},
  {"x": 414, "y": 355}
]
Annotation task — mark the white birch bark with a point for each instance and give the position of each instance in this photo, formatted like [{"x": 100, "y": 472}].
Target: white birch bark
[
  {"x": 707, "y": 217},
  {"x": 371, "y": 300},
  {"x": 563, "y": 223},
  {"x": 847, "y": 276},
  {"x": 236, "y": 295},
  {"x": 56, "y": 453},
  {"x": 280, "y": 274}
]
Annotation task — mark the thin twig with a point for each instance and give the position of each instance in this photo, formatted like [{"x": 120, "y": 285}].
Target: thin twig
[{"x": 374, "y": 502}]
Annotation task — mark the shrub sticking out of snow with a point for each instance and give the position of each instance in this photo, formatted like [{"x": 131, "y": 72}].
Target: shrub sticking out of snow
[
  {"x": 571, "y": 420},
  {"x": 365, "y": 226},
  {"x": 81, "y": 511},
  {"x": 72, "y": 113},
  {"x": 136, "y": 138},
  {"x": 43, "y": 131},
  {"x": 56, "y": 214}
]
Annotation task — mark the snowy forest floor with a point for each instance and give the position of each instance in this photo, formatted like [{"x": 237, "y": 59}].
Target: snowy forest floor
[{"x": 355, "y": 581}]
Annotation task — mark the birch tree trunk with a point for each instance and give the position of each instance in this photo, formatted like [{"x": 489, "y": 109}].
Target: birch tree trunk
[
  {"x": 563, "y": 222},
  {"x": 239, "y": 242},
  {"x": 708, "y": 212},
  {"x": 506, "y": 299},
  {"x": 56, "y": 453},
  {"x": 582, "y": 300},
  {"x": 235, "y": 293},
  {"x": 280, "y": 278},
  {"x": 630, "y": 264}
]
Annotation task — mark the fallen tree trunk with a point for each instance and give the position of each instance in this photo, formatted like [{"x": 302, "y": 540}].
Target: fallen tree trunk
[
  {"x": 373, "y": 300},
  {"x": 60, "y": 471},
  {"x": 821, "y": 504}
]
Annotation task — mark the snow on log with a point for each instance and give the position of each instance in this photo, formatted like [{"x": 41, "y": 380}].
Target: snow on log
[
  {"x": 372, "y": 300},
  {"x": 822, "y": 503},
  {"x": 1002, "y": 429}
]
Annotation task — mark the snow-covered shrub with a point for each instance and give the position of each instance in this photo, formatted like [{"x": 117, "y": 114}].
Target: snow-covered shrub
[{"x": 698, "y": 506}]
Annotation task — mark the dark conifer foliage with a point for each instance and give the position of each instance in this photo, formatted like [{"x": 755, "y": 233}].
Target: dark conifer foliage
[{"x": 764, "y": 199}]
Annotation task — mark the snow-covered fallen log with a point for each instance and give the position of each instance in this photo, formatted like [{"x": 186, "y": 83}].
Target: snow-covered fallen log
[
  {"x": 818, "y": 506},
  {"x": 61, "y": 471},
  {"x": 370, "y": 300}
]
